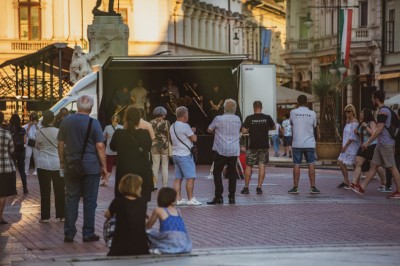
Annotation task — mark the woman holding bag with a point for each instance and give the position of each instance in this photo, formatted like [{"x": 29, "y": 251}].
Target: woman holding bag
[
  {"x": 133, "y": 145},
  {"x": 48, "y": 169},
  {"x": 161, "y": 144}
]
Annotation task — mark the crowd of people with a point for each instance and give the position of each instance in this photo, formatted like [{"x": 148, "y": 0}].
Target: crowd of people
[{"x": 75, "y": 155}]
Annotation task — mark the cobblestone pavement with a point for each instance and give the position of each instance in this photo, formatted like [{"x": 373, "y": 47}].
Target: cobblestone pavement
[{"x": 275, "y": 219}]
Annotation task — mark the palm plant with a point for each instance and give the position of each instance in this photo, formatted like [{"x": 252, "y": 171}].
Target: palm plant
[{"x": 327, "y": 88}]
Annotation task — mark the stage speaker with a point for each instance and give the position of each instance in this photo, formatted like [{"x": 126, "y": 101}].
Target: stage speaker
[{"x": 204, "y": 149}]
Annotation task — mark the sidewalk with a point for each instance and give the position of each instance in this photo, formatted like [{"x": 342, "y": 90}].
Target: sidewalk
[{"x": 273, "y": 226}]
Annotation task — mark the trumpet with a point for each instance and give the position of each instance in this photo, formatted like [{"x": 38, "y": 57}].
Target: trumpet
[{"x": 196, "y": 98}]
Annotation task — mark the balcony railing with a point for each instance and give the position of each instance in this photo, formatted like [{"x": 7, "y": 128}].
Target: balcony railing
[{"x": 29, "y": 45}]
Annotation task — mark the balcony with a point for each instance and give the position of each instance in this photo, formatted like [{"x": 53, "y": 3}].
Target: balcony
[{"x": 29, "y": 45}]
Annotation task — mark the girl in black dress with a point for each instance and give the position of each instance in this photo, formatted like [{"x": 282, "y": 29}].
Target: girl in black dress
[
  {"x": 133, "y": 145},
  {"x": 129, "y": 237}
]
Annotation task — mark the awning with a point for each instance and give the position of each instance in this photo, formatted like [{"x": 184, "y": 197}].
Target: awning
[
  {"x": 394, "y": 100},
  {"x": 389, "y": 76},
  {"x": 285, "y": 95}
]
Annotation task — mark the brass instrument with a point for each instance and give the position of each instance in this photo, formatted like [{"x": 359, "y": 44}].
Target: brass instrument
[
  {"x": 119, "y": 109},
  {"x": 172, "y": 102},
  {"x": 196, "y": 97}
]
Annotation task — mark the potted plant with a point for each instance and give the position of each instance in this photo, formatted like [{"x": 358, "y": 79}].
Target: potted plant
[{"x": 327, "y": 88}]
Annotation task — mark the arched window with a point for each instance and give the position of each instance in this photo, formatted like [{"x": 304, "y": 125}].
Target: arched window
[{"x": 29, "y": 19}]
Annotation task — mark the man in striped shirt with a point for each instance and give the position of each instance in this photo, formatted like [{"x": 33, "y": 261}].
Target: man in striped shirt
[{"x": 226, "y": 129}]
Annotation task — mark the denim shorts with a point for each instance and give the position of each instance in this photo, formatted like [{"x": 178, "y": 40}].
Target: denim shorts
[
  {"x": 287, "y": 141},
  {"x": 309, "y": 155},
  {"x": 184, "y": 167}
]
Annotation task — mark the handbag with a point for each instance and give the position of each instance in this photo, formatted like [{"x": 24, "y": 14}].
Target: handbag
[
  {"x": 108, "y": 230},
  {"x": 74, "y": 167},
  {"x": 31, "y": 142},
  {"x": 193, "y": 150}
]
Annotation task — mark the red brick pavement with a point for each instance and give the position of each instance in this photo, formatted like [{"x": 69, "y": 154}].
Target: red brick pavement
[{"x": 273, "y": 219}]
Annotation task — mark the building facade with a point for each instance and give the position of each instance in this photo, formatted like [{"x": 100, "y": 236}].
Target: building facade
[
  {"x": 310, "y": 51},
  {"x": 184, "y": 27}
]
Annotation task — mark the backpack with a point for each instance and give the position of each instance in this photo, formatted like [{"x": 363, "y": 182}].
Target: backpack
[
  {"x": 394, "y": 123},
  {"x": 18, "y": 139}
]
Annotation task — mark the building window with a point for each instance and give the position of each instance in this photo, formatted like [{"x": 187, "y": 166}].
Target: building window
[
  {"x": 363, "y": 9},
  {"x": 390, "y": 32},
  {"x": 303, "y": 34},
  {"x": 29, "y": 20}
]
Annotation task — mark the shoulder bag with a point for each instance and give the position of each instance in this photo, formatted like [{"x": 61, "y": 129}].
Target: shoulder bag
[
  {"x": 41, "y": 132},
  {"x": 74, "y": 167},
  {"x": 192, "y": 150}
]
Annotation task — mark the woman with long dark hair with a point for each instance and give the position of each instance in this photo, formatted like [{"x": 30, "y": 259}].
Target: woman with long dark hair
[
  {"x": 133, "y": 145},
  {"x": 18, "y": 135},
  {"x": 365, "y": 129}
]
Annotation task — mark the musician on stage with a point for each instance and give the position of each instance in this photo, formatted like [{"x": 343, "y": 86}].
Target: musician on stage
[
  {"x": 197, "y": 116},
  {"x": 139, "y": 95},
  {"x": 170, "y": 88},
  {"x": 215, "y": 100},
  {"x": 122, "y": 98}
]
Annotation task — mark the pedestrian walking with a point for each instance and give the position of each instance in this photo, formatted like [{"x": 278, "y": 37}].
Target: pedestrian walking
[
  {"x": 276, "y": 138},
  {"x": 18, "y": 134},
  {"x": 389, "y": 177},
  {"x": 133, "y": 145},
  {"x": 365, "y": 130},
  {"x": 182, "y": 138},
  {"x": 384, "y": 151},
  {"x": 350, "y": 145},
  {"x": 49, "y": 169},
  {"x": 7, "y": 168},
  {"x": 111, "y": 156},
  {"x": 172, "y": 237},
  {"x": 257, "y": 126},
  {"x": 226, "y": 130},
  {"x": 60, "y": 117},
  {"x": 303, "y": 121},
  {"x": 161, "y": 145},
  {"x": 81, "y": 137},
  {"x": 129, "y": 210},
  {"x": 30, "y": 142},
  {"x": 287, "y": 136}
]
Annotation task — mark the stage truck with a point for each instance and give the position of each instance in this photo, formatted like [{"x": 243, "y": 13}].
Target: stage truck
[{"x": 240, "y": 81}]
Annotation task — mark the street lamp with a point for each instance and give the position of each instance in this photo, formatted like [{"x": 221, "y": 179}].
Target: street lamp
[{"x": 235, "y": 39}]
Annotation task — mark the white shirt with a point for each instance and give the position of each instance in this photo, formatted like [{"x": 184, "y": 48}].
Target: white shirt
[
  {"x": 227, "y": 134},
  {"x": 287, "y": 128},
  {"x": 139, "y": 94},
  {"x": 31, "y": 134},
  {"x": 48, "y": 153},
  {"x": 108, "y": 133},
  {"x": 303, "y": 120},
  {"x": 183, "y": 131}
]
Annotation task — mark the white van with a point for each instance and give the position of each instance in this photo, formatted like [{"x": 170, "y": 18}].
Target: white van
[{"x": 244, "y": 83}]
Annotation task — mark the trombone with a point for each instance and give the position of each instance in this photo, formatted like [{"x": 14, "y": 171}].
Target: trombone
[{"x": 196, "y": 97}]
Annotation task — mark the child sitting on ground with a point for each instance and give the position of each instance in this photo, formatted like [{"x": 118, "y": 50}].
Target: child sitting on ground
[
  {"x": 129, "y": 237},
  {"x": 172, "y": 237}
]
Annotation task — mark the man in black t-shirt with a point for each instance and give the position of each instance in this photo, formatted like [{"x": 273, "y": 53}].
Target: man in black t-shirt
[{"x": 257, "y": 125}]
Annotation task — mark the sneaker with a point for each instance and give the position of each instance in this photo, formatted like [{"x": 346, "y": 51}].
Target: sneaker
[
  {"x": 384, "y": 189},
  {"x": 259, "y": 190},
  {"x": 343, "y": 185},
  {"x": 245, "y": 190},
  {"x": 357, "y": 189},
  {"x": 294, "y": 190},
  {"x": 44, "y": 221},
  {"x": 155, "y": 251},
  {"x": 193, "y": 202},
  {"x": 91, "y": 238},
  {"x": 395, "y": 195},
  {"x": 314, "y": 190},
  {"x": 181, "y": 202}
]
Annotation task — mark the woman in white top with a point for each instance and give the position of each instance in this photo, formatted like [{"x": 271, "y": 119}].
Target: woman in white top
[
  {"x": 48, "y": 168},
  {"x": 275, "y": 138},
  {"x": 30, "y": 142}
]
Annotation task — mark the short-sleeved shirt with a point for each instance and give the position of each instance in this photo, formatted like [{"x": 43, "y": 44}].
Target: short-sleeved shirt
[
  {"x": 46, "y": 142},
  {"x": 139, "y": 94},
  {"x": 303, "y": 120},
  {"x": 227, "y": 134},
  {"x": 108, "y": 133},
  {"x": 6, "y": 148},
  {"x": 72, "y": 132},
  {"x": 143, "y": 124},
  {"x": 183, "y": 131},
  {"x": 258, "y": 126},
  {"x": 385, "y": 138},
  {"x": 287, "y": 128}
]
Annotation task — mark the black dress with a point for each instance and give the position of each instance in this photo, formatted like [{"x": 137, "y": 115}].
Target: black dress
[
  {"x": 130, "y": 236},
  {"x": 132, "y": 161}
]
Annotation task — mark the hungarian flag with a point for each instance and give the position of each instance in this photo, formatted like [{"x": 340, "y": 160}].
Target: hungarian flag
[{"x": 346, "y": 16}]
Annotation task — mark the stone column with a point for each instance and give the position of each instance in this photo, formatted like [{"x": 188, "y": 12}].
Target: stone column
[
  {"x": 109, "y": 30},
  {"x": 195, "y": 28},
  {"x": 203, "y": 31},
  {"x": 217, "y": 33},
  {"x": 188, "y": 27},
  {"x": 16, "y": 16},
  {"x": 58, "y": 20},
  {"x": 210, "y": 33}
]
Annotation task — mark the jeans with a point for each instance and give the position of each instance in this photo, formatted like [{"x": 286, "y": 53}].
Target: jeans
[
  {"x": 28, "y": 154},
  {"x": 164, "y": 168},
  {"x": 88, "y": 187},
  {"x": 45, "y": 178},
  {"x": 21, "y": 167},
  {"x": 275, "y": 143},
  {"x": 219, "y": 162}
]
